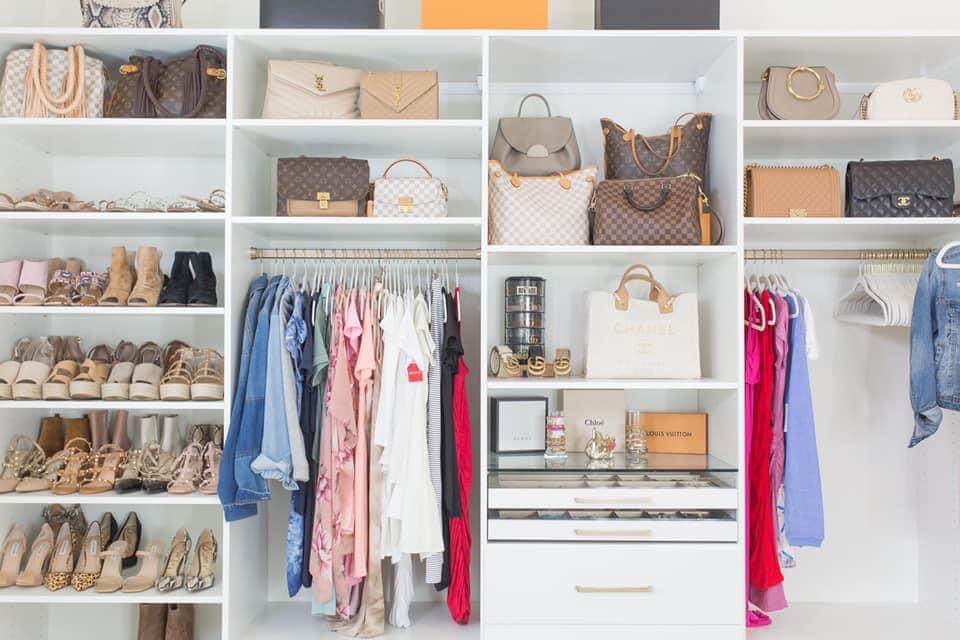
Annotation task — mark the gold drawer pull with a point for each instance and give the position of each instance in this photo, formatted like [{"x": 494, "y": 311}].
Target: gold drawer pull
[
  {"x": 622, "y": 501},
  {"x": 613, "y": 533},
  {"x": 642, "y": 589}
]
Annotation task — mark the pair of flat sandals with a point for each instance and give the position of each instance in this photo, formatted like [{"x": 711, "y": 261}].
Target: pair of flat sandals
[{"x": 142, "y": 202}]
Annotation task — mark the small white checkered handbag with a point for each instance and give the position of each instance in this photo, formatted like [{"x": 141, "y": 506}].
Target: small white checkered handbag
[
  {"x": 548, "y": 210},
  {"x": 409, "y": 197},
  {"x": 38, "y": 83}
]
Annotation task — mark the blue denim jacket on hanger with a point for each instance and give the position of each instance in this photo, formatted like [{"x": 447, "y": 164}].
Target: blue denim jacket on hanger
[
  {"x": 251, "y": 488},
  {"x": 935, "y": 346},
  {"x": 227, "y": 485}
]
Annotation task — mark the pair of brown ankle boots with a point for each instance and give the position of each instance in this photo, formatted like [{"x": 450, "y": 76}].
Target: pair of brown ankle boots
[{"x": 165, "y": 622}]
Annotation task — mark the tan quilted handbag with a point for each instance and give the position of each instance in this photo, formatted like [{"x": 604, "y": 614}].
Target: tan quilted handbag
[
  {"x": 792, "y": 192},
  {"x": 409, "y": 197},
  {"x": 548, "y": 210},
  {"x": 311, "y": 89},
  {"x": 400, "y": 95},
  {"x": 661, "y": 211},
  {"x": 41, "y": 83}
]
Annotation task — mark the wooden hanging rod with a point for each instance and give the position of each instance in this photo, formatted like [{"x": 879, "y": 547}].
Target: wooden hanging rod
[
  {"x": 364, "y": 254},
  {"x": 781, "y": 255}
]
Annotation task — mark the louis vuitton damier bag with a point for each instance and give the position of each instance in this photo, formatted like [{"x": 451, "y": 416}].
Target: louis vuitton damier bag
[{"x": 656, "y": 211}]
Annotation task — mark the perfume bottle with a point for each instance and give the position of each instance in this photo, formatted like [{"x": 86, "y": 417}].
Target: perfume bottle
[
  {"x": 556, "y": 437},
  {"x": 636, "y": 438}
]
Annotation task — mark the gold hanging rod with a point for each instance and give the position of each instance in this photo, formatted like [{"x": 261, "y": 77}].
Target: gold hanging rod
[
  {"x": 364, "y": 254},
  {"x": 781, "y": 255}
]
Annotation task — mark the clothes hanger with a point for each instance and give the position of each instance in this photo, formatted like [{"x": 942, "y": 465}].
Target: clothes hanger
[
  {"x": 762, "y": 326},
  {"x": 941, "y": 262}
]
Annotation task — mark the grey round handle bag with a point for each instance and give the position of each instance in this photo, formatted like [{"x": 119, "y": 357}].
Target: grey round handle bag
[{"x": 536, "y": 146}]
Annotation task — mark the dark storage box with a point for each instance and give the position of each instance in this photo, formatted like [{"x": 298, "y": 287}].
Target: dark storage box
[
  {"x": 320, "y": 14},
  {"x": 657, "y": 14}
]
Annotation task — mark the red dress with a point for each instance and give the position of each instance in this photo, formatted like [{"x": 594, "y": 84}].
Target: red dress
[
  {"x": 764, "y": 564},
  {"x": 458, "y": 595}
]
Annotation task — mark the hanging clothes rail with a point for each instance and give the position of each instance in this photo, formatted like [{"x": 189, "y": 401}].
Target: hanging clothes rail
[
  {"x": 781, "y": 255},
  {"x": 364, "y": 254}
]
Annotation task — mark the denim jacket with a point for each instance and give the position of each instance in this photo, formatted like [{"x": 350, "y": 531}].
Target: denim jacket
[
  {"x": 227, "y": 485},
  {"x": 935, "y": 346}
]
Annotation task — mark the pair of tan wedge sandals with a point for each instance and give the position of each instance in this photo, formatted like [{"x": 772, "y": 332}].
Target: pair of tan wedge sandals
[{"x": 50, "y": 368}]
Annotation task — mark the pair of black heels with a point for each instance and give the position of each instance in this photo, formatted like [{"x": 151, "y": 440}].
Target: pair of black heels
[{"x": 192, "y": 281}]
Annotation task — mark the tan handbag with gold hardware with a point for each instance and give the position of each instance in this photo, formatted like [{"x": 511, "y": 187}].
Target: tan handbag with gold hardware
[
  {"x": 400, "y": 95},
  {"x": 798, "y": 93},
  {"x": 792, "y": 192}
]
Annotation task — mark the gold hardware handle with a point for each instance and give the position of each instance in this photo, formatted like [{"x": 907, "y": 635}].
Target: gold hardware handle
[
  {"x": 613, "y": 533},
  {"x": 641, "y": 589},
  {"x": 620, "y": 501},
  {"x": 219, "y": 74},
  {"x": 128, "y": 69},
  {"x": 801, "y": 69}
]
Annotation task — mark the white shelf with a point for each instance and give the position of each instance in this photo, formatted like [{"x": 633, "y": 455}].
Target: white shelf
[
  {"x": 847, "y": 139},
  {"x": 40, "y": 595},
  {"x": 590, "y": 255},
  {"x": 120, "y": 137},
  {"x": 436, "y": 232},
  {"x": 430, "y": 621},
  {"x": 531, "y": 384},
  {"x": 836, "y": 232},
  {"x": 207, "y": 225},
  {"x": 56, "y": 405},
  {"x": 110, "y": 498},
  {"x": 383, "y": 139},
  {"x": 113, "y": 311}
]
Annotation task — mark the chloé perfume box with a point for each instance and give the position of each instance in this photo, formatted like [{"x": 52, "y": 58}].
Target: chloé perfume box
[
  {"x": 586, "y": 410},
  {"x": 518, "y": 425}
]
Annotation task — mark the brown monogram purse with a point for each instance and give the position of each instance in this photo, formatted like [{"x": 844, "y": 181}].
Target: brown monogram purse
[
  {"x": 682, "y": 150},
  {"x": 322, "y": 187},
  {"x": 657, "y": 211},
  {"x": 190, "y": 87}
]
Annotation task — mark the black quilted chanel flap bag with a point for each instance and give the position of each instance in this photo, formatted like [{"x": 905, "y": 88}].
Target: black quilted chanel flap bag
[{"x": 900, "y": 189}]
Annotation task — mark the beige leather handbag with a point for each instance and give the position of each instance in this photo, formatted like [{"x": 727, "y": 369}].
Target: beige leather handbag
[
  {"x": 792, "y": 192},
  {"x": 400, "y": 95},
  {"x": 799, "y": 93},
  {"x": 311, "y": 89}
]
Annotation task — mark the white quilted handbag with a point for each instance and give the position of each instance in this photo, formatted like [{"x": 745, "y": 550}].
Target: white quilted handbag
[
  {"x": 658, "y": 337},
  {"x": 38, "y": 83},
  {"x": 914, "y": 99},
  {"x": 132, "y": 14},
  {"x": 409, "y": 197},
  {"x": 311, "y": 89},
  {"x": 548, "y": 210}
]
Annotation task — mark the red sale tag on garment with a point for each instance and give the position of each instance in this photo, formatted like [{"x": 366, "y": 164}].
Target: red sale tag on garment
[{"x": 414, "y": 374}]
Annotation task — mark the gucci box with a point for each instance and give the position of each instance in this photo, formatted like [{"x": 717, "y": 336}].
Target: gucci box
[
  {"x": 518, "y": 425},
  {"x": 586, "y": 410},
  {"x": 675, "y": 432}
]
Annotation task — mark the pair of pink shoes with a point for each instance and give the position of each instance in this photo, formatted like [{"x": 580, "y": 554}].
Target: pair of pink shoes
[{"x": 25, "y": 282}]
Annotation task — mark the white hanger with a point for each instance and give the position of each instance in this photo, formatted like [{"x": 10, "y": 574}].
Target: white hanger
[
  {"x": 943, "y": 252},
  {"x": 763, "y": 313}
]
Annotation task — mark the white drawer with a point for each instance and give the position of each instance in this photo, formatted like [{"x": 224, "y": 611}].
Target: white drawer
[
  {"x": 613, "y": 584},
  {"x": 613, "y": 530},
  {"x": 613, "y": 498}
]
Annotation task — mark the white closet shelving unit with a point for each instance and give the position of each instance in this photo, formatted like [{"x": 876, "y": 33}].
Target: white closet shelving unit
[{"x": 891, "y": 562}]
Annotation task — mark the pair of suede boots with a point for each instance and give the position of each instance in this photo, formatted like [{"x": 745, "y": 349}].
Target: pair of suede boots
[
  {"x": 192, "y": 281},
  {"x": 165, "y": 622}
]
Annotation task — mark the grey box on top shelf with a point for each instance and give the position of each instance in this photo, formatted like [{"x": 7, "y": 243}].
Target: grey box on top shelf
[{"x": 657, "y": 14}]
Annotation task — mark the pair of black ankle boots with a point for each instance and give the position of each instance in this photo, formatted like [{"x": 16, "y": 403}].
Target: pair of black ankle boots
[{"x": 192, "y": 281}]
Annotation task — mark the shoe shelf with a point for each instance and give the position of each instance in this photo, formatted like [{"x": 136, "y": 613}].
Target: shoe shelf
[
  {"x": 40, "y": 595},
  {"x": 112, "y": 311},
  {"x": 206, "y": 225},
  {"x": 160, "y": 405},
  {"x": 111, "y": 498}
]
